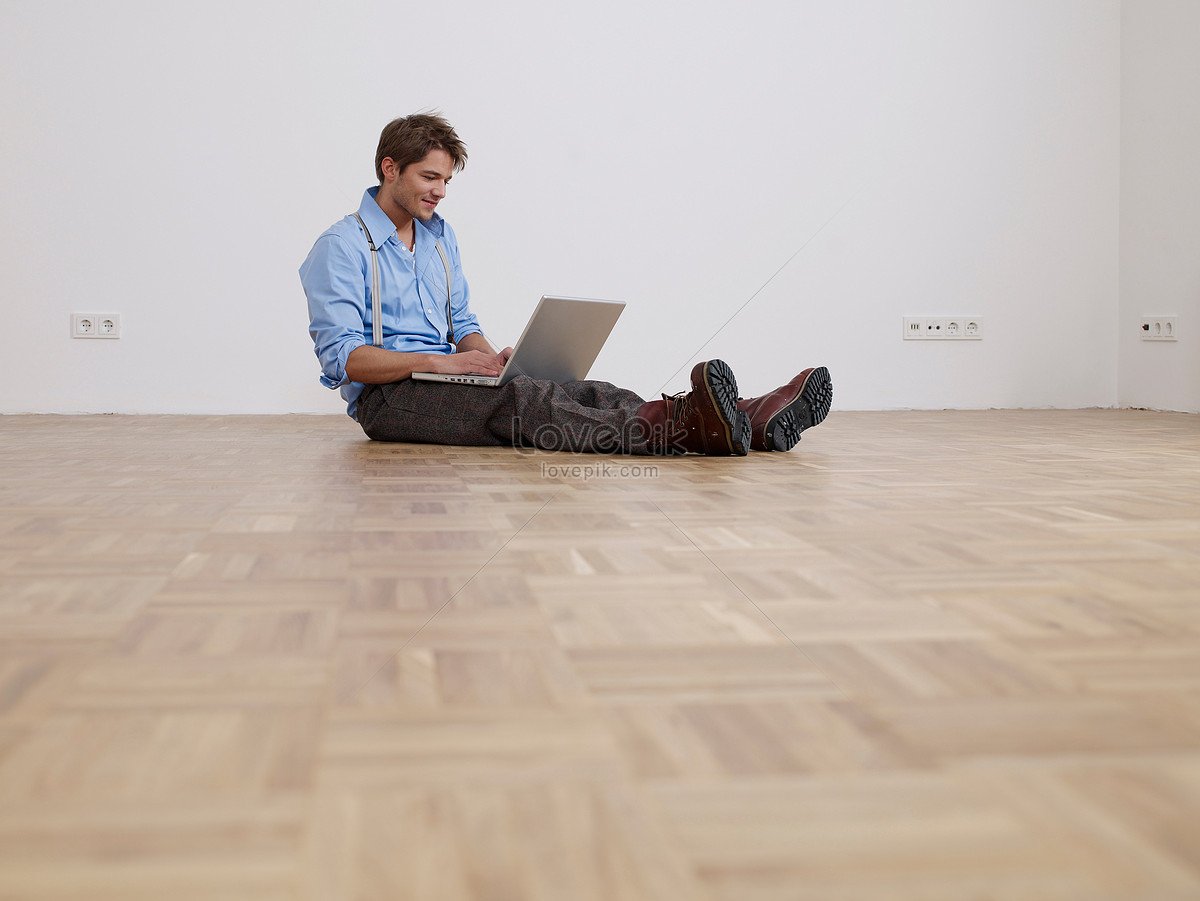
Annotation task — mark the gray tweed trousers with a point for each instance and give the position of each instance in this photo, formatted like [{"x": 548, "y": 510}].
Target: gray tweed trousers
[{"x": 585, "y": 416}]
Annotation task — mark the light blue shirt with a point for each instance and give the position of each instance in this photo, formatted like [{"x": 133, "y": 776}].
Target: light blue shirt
[{"x": 337, "y": 281}]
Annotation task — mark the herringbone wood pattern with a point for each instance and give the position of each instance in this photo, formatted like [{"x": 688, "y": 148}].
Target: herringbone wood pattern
[{"x": 928, "y": 656}]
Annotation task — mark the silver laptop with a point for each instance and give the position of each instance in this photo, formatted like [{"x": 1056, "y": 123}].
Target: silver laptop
[{"x": 560, "y": 343}]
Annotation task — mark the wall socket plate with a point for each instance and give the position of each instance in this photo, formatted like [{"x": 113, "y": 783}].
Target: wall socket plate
[
  {"x": 1160, "y": 328},
  {"x": 943, "y": 328},
  {"x": 95, "y": 325}
]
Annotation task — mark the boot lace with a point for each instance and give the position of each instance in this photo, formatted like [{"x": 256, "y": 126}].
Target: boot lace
[{"x": 676, "y": 409}]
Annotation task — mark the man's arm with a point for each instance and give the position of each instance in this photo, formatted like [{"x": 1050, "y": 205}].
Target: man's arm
[
  {"x": 474, "y": 341},
  {"x": 376, "y": 366}
]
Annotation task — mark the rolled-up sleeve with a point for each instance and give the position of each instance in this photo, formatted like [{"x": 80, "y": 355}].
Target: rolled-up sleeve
[{"x": 333, "y": 280}]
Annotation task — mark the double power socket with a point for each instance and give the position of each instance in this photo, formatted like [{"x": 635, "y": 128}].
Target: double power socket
[
  {"x": 952, "y": 328},
  {"x": 1159, "y": 328},
  {"x": 95, "y": 325}
]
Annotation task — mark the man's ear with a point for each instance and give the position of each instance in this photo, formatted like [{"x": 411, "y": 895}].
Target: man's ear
[{"x": 389, "y": 168}]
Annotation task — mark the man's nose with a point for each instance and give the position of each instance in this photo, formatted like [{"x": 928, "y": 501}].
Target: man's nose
[{"x": 439, "y": 189}]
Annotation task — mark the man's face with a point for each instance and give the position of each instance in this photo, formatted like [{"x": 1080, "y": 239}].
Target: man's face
[{"x": 421, "y": 186}]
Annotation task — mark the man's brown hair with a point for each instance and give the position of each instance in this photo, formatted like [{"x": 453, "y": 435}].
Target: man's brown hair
[{"x": 410, "y": 139}]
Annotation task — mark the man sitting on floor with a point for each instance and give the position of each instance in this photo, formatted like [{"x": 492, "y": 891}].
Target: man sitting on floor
[{"x": 416, "y": 327}]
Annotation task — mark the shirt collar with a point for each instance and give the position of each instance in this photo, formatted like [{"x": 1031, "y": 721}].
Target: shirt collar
[
  {"x": 382, "y": 228},
  {"x": 377, "y": 221}
]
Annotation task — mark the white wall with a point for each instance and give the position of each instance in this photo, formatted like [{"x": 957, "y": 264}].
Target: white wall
[
  {"x": 174, "y": 162},
  {"x": 1160, "y": 201}
]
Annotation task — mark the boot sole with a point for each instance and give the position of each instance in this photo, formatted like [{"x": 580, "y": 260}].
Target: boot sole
[
  {"x": 810, "y": 408},
  {"x": 720, "y": 386}
]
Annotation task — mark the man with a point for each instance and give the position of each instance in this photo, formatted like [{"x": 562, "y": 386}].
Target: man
[{"x": 387, "y": 298}]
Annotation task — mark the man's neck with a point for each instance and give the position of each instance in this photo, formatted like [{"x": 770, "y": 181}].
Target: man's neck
[
  {"x": 407, "y": 233},
  {"x": 405, "y": 224}
]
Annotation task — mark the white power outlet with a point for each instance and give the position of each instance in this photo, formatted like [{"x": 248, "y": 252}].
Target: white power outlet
[
  {"x": 1160, "y": 328},
  {"x": 95, "y": 325},
  {"x": 949, "y": 328}
]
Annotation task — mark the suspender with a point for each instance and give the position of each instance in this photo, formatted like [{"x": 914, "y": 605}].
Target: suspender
[
  {"x": 446, "y": 266},
  {"x": 376, "y": 313},
  {"x": 376, "y": 301}
]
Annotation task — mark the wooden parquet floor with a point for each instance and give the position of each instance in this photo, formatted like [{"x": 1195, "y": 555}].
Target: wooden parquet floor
[{"x": 927, "y": 656}]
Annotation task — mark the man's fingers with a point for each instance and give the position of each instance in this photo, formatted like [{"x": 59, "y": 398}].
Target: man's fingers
[{"x": 478, "y": 361}]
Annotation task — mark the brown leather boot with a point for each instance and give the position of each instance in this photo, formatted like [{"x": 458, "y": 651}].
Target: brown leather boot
[
  {"x": 703, "y": 421},
  {"x": 778, "y": 418}
]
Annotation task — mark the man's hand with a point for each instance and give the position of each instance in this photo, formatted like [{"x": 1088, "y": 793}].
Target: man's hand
[
  {"x": 477, "y": 355},
  {"x": 468, "y": 361}
]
